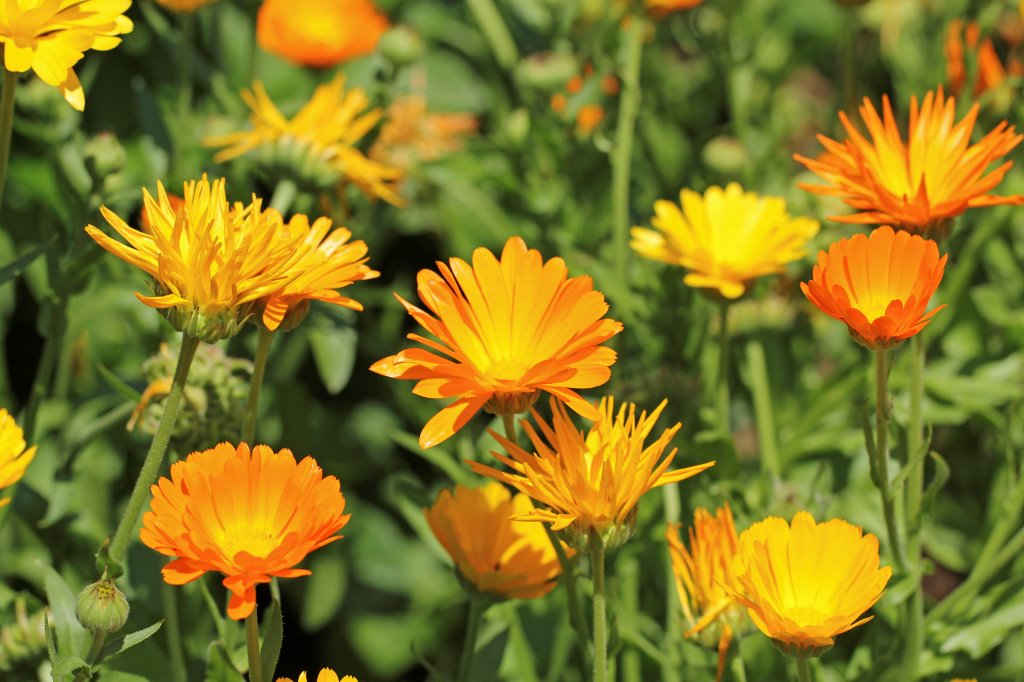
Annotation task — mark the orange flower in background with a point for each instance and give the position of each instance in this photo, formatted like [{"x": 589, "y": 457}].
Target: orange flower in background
[
  {"x": 184, "y": 5},
  {"x": 325, "y": 675},
  {"x": 919, "y": 184},
  {"x": 588, "y": 118},
  {"x": 319, "y": 33},
  {"x": 662, "y": 8},
  {"x": 879, "y": 285},
  {"x": 250, "y": 516},
  {"x": 506, "y": 329},
  {"x": 413, "y": 135},
  {"x": 990, "y": 70},
  {"x": 498, "y": 556},
  {"x": 14, "y": 458}
]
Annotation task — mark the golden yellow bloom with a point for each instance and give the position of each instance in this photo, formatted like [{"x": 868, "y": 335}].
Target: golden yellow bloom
[
  {"x": 701, "y": 573},
  {"x": 807, "y": 583},
  {"x": 319, "y": 33},
  {"x": 510, "y": 328},
  {"x": 662, "y": 8},
  {"x": 249, "y": 516},
  {"x": 325, "y": 675},
  {"x": 497, "y": 556},
  {"x": 318, "y": 141},
  {"x": 413, "y": 135},
  {"x": 51, "y": 36},
  {"x": 919, "y": 184},
  {"x": 184, "y": 5},
  {"x": 592, "y": 481},
  {"x": 14, "y": 458},
  {"x": 725, "y": 238}
]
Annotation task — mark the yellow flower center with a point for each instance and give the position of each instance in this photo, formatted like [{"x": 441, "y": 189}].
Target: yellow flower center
[
  {"x": 255, "y": 540},
  {"x": 510, "y": 369}
]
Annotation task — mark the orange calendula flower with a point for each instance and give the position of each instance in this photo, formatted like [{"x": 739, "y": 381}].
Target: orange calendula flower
[
  {"x": 662, "y": 8},
  {"x": 325, "y": 675},
  {"x": 806, "y": 583},
  {"x": 506, "y": 329},
  {"x": 319, "y": 33},
  {"x": 413, "y": 135},
  {"x": 990, "y": 69},
  {"x": 590, "y": 481},
  {"x": 922, "y": 183},
  {"x": 588, "y": 118},
  {"x": 879, "y": 285},
  {"x": 497, "y": 556},
  {"x": 14, "y": 458},
  {"x": 250, "y": 516}
]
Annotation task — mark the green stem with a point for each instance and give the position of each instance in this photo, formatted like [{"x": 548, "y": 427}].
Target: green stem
[
  {"x": 803, "y": 669},
  {"x": 764, "y": 415},
  {"x": 914, "y": 641},
  {"x": 622, "y": 152},
  {"x": 882, "y": 454},
  {"x": 157, "y": 450},
  {"x": 576, "y": 617},
  {"x": 600, "y": 619},
  {"x": 172, "y": 626},
  {"x": 722, "y": 394},
  {"x": 6, "y": 126},
  {"x": 40, "y": 385},
  {"x": 252, "y": 641},
  {"x": 495, "y": 31},
  {"x": 509, "y": 422},
  {"x": 95, "y": 648},
  {"x": 266, "y": 338},
  {"x": 739, "y": 671},
  {"x": 628, "y": 571},
  {"x": 669, "y": 644},
  {"x": 476, "y": 612},
  {"x": 284, "y": 196}
]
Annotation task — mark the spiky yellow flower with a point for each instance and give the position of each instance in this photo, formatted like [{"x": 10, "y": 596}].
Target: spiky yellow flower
[
  {"x": 318, "y": 143},
  {"x": 725, "y": 238},
  {"x": 412, "y": 134},
  {"x": 805, "y": 584},
  {"x": 497, "y": 556},
  {"x": 14, "y": 458},
  {"x": 319, "y": 33},
  {"x": 922, "y": 183},
  {"x": 51, "y": 36},
  {"x": 591, "y": 481},
  {"x": 184, "y": 5},
  {"x": 510, "y": 328},
  {"x": 325, "y": 675}
]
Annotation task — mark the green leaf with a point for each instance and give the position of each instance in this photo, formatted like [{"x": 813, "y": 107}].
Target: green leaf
[
  {"x": 121, "y": 676},
  {"x": 270, "y": 650},
  {"x": 324, "y": 592},
  {"x": 334, "y": 351},
  {"x": 65, "y": 668},
  {"x": 51, "y": 645},
  {"x": 70, "y": 635},
  {"x": 14, "y": 269},
  {"x": 116, "y": 646},
  {"x": 984, "y": 635},
  {"x": 220, "y": 668}
]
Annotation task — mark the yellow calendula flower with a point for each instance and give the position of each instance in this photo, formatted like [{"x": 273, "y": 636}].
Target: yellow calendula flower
[
  {"x": 184, "y": 5},
  {"x": 51, "y": 36},
  {"x": 725, "y": 238},
  {"x": 14, "y": 458},
  {"x": 325, "y": 675},
  {"x": 591, "y": 482},
  {"x": 318, "y": 144}
]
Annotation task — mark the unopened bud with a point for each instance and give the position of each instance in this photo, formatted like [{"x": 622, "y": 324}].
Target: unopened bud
[
  {"x": 101, "y": 607},
  {"x": 401, "y": 45}
]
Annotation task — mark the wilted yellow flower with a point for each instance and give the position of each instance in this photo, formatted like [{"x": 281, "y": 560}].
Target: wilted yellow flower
[
  {"x": 411, "y": 134},
  {"x": 51, "y": 36},
  {"x": 326, "y": 675},
  {"x": 14, "y": 458},
  {"x": 725, "y": 238},
  {"x": 184, "y": 5},
  {"x": 496, "y": 555},
  {"x": 317, "y": 143}
]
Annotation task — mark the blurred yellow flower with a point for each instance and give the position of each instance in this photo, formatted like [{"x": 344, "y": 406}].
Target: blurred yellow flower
[
  {"x": 411, "y": 134},
  {"x": 319, "y": 33},
  {"x": 325, "y": 675},
  {"x": 14, "y": 458},
  {"x": 661, "y": 8},
  {"x": 807, "y": 583},
  {"x": 51, "y": 36},
  {"x": 184, "y": 5},
  {"x": 319, "y": 140},
  {"x": 725, "y": 238},
  {"x": 496, "y": 555}
]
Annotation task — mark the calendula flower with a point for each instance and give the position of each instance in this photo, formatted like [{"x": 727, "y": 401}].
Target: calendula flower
[
  {"x": 319, "y": 33},
  {"x": 495, "y": 555},
  {"x": 51, "y": 36},
  {"x": 806, "y": 583},
  {"x": 922, "y": 183},
  {"x": 250, "y": 516},
  {"x": 14, "y": 458},
  {"x": 325, "y": 675},
  {"x": 702, "y": 572},
  {"x": 317, "y": 145},
  {"x": 963, "y": 38},
  {"x": 879, "y": 285},
  {"x": 590, "y": 481},
  {"x": 413, "y": 135},
  {"x": 725, "y": 238},
  {"x": 184, "y": 5},
  {"x": 506, "y": 330},
  {"x": 210, "y": 261},
  {"x": 662, "y": 8}
]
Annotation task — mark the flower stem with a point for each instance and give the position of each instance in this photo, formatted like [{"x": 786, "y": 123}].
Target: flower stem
[
  {"x": 266, "y": 338},
  {"x": 157, "y": 450},
  {"x": 579, "y": 623},
  {"x": 803, "y": 669},
  {"x": 723, "y": 370},
  {"x": 509, "y": 422},
  {"x": 476, "y": 612},
  {"x": 95, "y": 649},
  {"x": 6, "y": 126},
  {"x": 882, "y": 454},
  {"x": 284, "y": 195},
  {"x": 764, "y": 415},
  {"x": 252, "y": 640},
  {"x": 495, "y": 31},
  {"x": 914, "y": 641},
  {"x": 600, "y": 631},
  {"x": 622, "y": 152},
  {"x": 175, "y": 647}
]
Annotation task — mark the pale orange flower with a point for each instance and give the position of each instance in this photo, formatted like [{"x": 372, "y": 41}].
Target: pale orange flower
[
  {"x": 962, "y": 38},
  {"x": 412, "y": 134},
  {"x": 319, "y": 33}
]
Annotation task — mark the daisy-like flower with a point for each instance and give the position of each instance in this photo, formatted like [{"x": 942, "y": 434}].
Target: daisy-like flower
[
  {"x": 14, "y": 458},
  {"x": 210, "y": 261},
  {"x": 590, "y": 482},
  {"x": 806, "y": 583},
  {"x": 920, "y": 184},
  {"x": 506, "y": 329},
  {"x": 879, "y": 285},
  {"x": 496, "y": 556},
  {"x": 318, "y": 144},
  {"x": 250, "y": 516},
  {"x": 662, "y": 8},
  {"x": 412, "y": 135},
  {"x": 725, "y": 238},
  {"x": 51, "y": 36},
  {"x": 325, "y": 675},
  {"x": 319, "y": 33},
  {"x": 701, "y": 572}
]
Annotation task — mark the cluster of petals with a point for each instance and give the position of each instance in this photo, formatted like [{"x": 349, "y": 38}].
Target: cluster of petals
[
  {"x": 411, "y": 134},
  {"x": 325, "y": 675},
  {"x": 14, "y": 458},
  {"x": 319, "y": 33},
  {"x": 963, "y": 38}
]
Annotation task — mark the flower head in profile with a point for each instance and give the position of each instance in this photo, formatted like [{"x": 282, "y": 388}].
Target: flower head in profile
[
  {"x": 702, "y": 571},
  {"x": 51, "y": 36},
  {"x": 662, "y": 8},
  {"x": 325, "y": 675},
  {"x": 878, "y": 284},
  {"x": 184, "y": 5},
  {"x": 590, "y": 482},
  {"x": 411, "y": 134},
  {"x": 965, "y": 38},
  {"x": 922, "y": 183},
  {"x": 316, "y": 146},
  {"x": 805, "y": 583},
  {"x": 319, "y": 33},
  {"x": 248, "y": 515},
  {"x": 496, "y": 556},
  {"x": 14, "y": 458},
  {"x": 725, "y": 238},
  {"x": 506, "y": 329}
]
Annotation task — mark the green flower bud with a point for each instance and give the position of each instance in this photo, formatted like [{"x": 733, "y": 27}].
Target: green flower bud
[
  {"x": 104, "y": 155},
  {"x": 401, "y": 45},
  {"x": 725, "y": 155},
  {"x": 101, "y": 607},
  {"x": 547, "y": 71}
]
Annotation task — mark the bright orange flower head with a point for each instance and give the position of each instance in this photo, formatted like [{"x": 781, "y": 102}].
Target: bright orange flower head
[
  {"x": 14, "y": 458},
  {"x": 319, "y": 33},
  {"x": 662, "y": 8},
  {"x": 497, "y": 556},
  {"x": 250, "y": 516},
  {"x": 879, "y": 285},
  {"x": 922, "y": 183},
  {"x": 506, "y": 329}
]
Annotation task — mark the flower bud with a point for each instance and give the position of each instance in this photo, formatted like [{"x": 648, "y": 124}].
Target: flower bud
[
  {"x": 401, "y": 45},
  {"x": 101, "y": 607},
  {"x": 104, "y": 155},
  {"x": 546, "y": 71}
]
